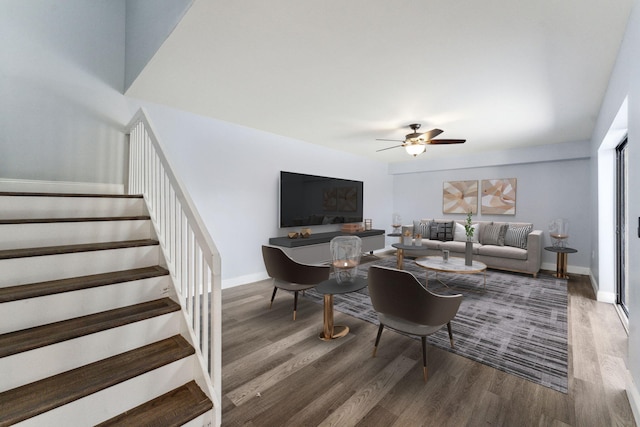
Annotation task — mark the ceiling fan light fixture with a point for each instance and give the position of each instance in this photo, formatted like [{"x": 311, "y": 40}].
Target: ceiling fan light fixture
[
  {"x": 415, "y": 149},
  {"x": 415, "y": 143}
]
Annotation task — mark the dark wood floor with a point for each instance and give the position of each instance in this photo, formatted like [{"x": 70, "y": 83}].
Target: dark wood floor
[{"x": 276, "y": 372}]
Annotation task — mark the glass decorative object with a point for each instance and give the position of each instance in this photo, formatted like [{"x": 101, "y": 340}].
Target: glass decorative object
[
  {"x": 396, "y": 223},
  {"x": 559, "y": 232},
  {"x": 345, "y": 257}
]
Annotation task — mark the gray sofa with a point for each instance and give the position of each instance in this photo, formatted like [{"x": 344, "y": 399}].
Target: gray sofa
[{"x": 512, "y": 246}]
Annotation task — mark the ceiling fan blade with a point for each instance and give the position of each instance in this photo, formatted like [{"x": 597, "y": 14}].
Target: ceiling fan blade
[
  {"x": 446, "y": 141},
  {"x": 389, "y": 148},
  {"x": 392, "y": 140},
  {"x": 432, "y": 133}
]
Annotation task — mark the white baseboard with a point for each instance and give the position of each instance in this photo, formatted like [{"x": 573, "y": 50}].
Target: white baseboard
[
  {"x": 34, "y": 186},
  {"x": 571, "y": 269},
  {"x": 601, "y": 296},
  {"x": 243, "y": 280},
  {"x": 634, "y": 398},
  {"x": 607, "y": 297}
]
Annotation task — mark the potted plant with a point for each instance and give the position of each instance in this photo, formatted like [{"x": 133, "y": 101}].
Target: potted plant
[{"x": 468, "y": 249}]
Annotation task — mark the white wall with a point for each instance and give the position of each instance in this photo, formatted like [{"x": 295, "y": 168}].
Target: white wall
[
  {"x": 148, "y": 24},
  {"x": 61, "y": 80},
  {"x": 547, "y": 189},
  {"x": 232, "y": 174},
  {"x": 624, "y": 84}
]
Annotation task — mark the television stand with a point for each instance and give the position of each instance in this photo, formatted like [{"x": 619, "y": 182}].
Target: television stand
[{"x": 315, "y": 248}]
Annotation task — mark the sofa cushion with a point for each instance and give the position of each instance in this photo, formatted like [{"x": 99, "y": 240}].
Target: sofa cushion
[
  {"x": 422, "y": 228},
  {"x": 459, "y": 247},
  {"x": 494, "y": 234},
  {"x": 481, "y": 227},
  {"x": 517, "y": 236},
  {"x": 502, "y": 252},
  {"x": 460, "y": 234},
  {"x": 432, "y": 244},
  {"x": 442, "y": 230}
]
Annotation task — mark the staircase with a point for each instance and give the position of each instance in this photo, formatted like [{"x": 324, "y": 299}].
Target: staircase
[{"x": 90, "y": 330}]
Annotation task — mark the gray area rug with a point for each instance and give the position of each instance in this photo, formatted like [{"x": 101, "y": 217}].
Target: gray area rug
[{"x": 517, "y": 325}]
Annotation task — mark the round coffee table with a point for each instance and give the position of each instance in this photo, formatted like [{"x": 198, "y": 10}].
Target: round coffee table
[
  {"x": 329, "y": 288},
  {"x": 453, "y": 265}
]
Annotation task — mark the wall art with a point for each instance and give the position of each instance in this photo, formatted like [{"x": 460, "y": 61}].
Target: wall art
[
  {"x": 498, "y": 196},
  {"x": 460, "y": 197}
]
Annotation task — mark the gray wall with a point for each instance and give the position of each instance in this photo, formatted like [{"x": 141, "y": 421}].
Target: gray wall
[
  {"x": 546, "y": 190},
  {"x": 61, "y": 82},
  {"x": 624, "y": 83},
  {"x": 148, "y": 24}
]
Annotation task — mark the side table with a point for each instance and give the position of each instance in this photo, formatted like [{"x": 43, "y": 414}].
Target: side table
[
  {"x": 398, "y": 235},
  {"x": 329, "y": 288},
  {"x": 400, "y": 252},
  {"x": 561, "y": 259}
]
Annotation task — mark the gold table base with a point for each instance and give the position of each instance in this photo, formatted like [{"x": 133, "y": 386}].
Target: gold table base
[{"x": 329, "y": 330}]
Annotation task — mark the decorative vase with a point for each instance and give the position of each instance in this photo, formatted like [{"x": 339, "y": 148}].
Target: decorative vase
[
  {"x": 559, "y": 232},
  {"x": 396, "y": 223},
  {"x": 345, "y": 256},
  {"x": 468, "y": 253}
]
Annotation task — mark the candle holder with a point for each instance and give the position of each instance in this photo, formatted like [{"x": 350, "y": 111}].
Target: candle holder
[
  {"x": 396, "y": 223},
  {"x": 345, "y": 257},
  {"x": 559, "y": 232}
]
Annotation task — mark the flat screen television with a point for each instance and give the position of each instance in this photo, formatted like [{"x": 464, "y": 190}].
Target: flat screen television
[{"x": 317, "y": 200}]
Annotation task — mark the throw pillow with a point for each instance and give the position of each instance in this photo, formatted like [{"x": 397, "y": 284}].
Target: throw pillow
[
  {"x": 460, "y": 234},
  {"x": 517, "y": 236},
  {"x": 422, "y": 228},
  {"x": 442, "y": 231},
  {"x": 494, "y": 234}
]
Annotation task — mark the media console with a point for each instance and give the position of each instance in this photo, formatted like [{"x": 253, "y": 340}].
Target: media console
[{"x": 315, "y": 248}]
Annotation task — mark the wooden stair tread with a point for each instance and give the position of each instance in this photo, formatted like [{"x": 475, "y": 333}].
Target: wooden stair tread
[
  {"x": 32, "y": 399},
  {"x": 83, "y": 219},
  {"x": 65, "y": 249},
  {"x": 38, "y": 194},
  {"x": 40, "y": 336},
  {"x": 34, "y": 290},
  {"x": 174, "y": 408}
]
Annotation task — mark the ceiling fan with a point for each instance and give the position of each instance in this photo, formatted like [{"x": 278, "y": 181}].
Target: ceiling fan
[{"x": 415, "y": 143}]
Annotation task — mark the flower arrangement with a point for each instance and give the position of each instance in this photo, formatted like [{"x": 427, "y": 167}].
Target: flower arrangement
[{"x": 468, "y": 228}]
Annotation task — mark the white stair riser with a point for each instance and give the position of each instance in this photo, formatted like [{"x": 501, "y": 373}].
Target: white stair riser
[
  {"x": 110, "y": 402},
  {"x": 21, "y": 207},
  {"x": 29, "y": 366},
  {"x": 27, "y": 313},
  {"x": 18, "y": 236},
  {"x": 203, "y": 420},
  {"x": 41, "y": 363},
  {"x": 19, "y": 271}
]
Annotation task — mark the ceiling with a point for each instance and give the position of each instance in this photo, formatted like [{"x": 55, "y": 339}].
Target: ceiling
[{"x": 498, "y": 73}]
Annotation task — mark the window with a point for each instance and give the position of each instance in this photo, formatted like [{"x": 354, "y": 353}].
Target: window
[{"x": 621, "y": 227}]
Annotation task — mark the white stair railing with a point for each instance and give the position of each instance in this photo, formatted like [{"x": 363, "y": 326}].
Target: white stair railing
[{"x": 192, "y": 257}]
